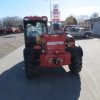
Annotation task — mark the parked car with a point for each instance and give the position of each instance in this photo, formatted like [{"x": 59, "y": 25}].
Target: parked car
[{"x": 79, "y": 32}]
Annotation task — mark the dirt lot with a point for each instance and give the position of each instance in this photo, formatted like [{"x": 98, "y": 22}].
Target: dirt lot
[{"x": 9, "y": 43}]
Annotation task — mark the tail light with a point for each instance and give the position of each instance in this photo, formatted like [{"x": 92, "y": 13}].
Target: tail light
[
  {"x": 43, "y": 51},
  {"x": 43, "y": 46},
  {"x": 71, "y": 44},
  {"x": 37, "y": 47}
]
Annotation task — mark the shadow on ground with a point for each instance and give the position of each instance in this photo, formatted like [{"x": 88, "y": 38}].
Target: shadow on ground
[{"x": 52, "y": 84}]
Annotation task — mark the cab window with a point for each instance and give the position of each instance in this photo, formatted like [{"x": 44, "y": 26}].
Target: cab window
[{"x": 35, "y": 29}]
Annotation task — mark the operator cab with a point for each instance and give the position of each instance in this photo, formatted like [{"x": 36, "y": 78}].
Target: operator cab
[{"x": 34, "y": 28}]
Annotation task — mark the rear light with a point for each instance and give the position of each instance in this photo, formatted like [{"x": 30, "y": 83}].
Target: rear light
[
  {"x": 56, "y": 60},
  {"x": 43, "y": 46},
  {"x": 37, "y": 47},
  {"x": 43, "y": 51},
  {"x": 57, "y": 52},
  {"x": 50, "y": 60},
  {"x": 60, "y": 60},
  {"x": 71, "y": 44}
]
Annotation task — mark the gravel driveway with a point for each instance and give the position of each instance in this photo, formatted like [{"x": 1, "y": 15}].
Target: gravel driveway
[{"x": 9, "y": 43}]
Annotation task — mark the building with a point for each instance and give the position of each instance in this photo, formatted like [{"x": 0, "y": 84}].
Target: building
[{"x": 94, "y": 25}]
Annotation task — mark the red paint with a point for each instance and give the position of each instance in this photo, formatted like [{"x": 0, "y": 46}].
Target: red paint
[
  {"x": 44, "y": 59},
  {"x": 54, "y": 48}
]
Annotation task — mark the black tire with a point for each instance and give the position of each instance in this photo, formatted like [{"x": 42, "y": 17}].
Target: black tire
[
  {"x": 29, "y": 70},
  {"x": 76, "y": 59},
  {"x": 76, "y": 66},
  {"x": 28, "y": 62},
  {"x": 87, "y": 36}
]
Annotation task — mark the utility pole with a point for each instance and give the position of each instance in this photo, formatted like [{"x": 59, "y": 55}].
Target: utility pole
[
  {"x": 50, "y": 12},
  {"x": 50, "y": 16}
]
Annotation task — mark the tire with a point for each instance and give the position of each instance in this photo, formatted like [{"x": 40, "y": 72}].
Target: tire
[
  {"x": 29, "y": 63},
  {"x": 87, "y": 36},
  {"x": 29, "y": 71},
  {"x": 76, "y": 59},
  {"x": 76, "y": 66}
]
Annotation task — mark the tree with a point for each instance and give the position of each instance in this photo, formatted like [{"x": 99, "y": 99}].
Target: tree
[
  {"x": 71, "y": 20},
  {"x": 1, "y": 22},
  {"x": 12, "y": 21},
  {"x": 81, "y": 21},
  {"x": 95, "y": 15}
]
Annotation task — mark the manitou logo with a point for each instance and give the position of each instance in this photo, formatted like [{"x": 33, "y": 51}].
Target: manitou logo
[{"x": 55, "y": 43}]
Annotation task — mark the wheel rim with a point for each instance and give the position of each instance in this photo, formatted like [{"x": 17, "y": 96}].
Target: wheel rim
[{"x": 87, "y": 36}]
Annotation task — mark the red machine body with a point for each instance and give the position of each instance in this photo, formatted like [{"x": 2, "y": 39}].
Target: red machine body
[
  {"x": 55, "y": 54},
  {"x": 44, "y": 49}
]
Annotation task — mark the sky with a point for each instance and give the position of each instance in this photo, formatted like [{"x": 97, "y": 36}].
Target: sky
[{"x": 42, "y": 7}]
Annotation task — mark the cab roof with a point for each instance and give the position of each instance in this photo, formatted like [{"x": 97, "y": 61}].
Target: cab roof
[{"x": 42, "y": 18}]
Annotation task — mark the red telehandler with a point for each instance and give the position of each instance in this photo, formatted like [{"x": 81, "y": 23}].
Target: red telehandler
[{"x": 48, "y": 50}]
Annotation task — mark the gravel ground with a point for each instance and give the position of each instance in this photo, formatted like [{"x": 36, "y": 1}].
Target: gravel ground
[{"x": 9, "y": 43}]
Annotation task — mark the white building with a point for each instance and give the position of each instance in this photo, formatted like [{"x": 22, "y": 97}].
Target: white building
[{"x": 94, "y": 25}]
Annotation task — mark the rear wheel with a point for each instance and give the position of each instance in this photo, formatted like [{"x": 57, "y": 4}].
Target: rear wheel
[
  {"x": 76, "y": 59},
  {"x": 87, "y": 35},
  {"x": 76, "y": 66},
  {"x": 30, "y": 67},
  {"x": 29, "y": 70}
]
